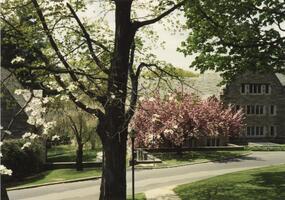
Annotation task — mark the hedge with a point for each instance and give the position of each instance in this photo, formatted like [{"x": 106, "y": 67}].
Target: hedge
[{"x": 23, "y": 162}]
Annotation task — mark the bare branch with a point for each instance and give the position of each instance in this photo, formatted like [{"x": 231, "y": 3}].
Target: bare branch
[
  {"x": 139, "y": 24},
  {"x": 88, "y": 40}
]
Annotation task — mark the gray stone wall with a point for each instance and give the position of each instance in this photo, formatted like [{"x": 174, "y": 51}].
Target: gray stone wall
[
  {"x": 232, "y": 94},
  {"x": 9, "y": 108}
]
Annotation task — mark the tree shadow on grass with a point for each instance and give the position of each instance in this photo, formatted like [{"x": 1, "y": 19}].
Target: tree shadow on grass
[
  {"x": 28, "y": 180},
  {"x": 191, "y": 156},
  {"x": 243, "y": 186}
]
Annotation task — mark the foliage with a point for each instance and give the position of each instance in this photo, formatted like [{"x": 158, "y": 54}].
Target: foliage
[
  {"x": 85, "y": 63},
  {"x": 23, "y": 161},
  {"x": 170, "y": 70},
  {"x": 67, "y": 153},
  {"x": 262, "y": 183},
  {"x": 177, "y": 118},
  {"x": 234, "y": 36}
]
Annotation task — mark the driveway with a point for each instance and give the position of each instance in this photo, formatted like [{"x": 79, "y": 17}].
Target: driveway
[{"x": 151, "y": 179}]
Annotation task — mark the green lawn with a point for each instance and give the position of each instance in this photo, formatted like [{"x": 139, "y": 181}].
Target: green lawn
[
  {"x": 259, "y": 184},
  {"x": 58, "y": 175},
  {"x": 139, "y": 196},
  {"x": 67, "y": 153},
  {"x": 280, "y": 147},
  {"x": 172, "y": 159}
]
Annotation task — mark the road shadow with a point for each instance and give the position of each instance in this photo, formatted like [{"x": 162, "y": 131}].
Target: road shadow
[{"x": 239, "y": 159}]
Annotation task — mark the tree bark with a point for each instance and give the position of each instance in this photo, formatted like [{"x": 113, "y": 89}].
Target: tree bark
[
  {"x": 113, "y": 131},
  {"x": 113, "y": 185},
  {"x": 4, "y": 193},
  {"x": 79, "y": 157}
]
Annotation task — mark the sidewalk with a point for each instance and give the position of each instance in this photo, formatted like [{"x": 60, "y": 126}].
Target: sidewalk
[{"x": 165, "y": 193}]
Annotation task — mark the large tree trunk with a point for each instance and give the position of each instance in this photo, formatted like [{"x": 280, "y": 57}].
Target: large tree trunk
[
  {"x": 4, "y": 194},
  {"x": 113, "y": 131},
  {"x": 113, "y": 185},
  {"x": 79, "y": 157}
]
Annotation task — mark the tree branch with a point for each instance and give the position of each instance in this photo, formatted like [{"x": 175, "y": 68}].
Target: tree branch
[
  {"x": 88, "y": 40},
  {"x": 139, "y": 24}
]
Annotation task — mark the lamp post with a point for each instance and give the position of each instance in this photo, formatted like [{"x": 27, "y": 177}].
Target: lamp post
[{"x": 132, "y": 135}]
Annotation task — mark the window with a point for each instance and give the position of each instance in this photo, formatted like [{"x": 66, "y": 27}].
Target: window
[
  {"x": 272, "y": 110},
  {"x": 255, "y": 109},
  {"x": 255, "y": 131},
  {"x": 255, "y": 88},
  {"x": 272, "y": 130}
]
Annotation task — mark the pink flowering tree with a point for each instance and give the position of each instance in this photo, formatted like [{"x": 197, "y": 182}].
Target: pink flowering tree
[{"x": 174, "y": 119}]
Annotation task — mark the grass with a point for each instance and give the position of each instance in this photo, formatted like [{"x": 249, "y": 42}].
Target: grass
[
  {"x": 280, "y": 147},
  {"x": 139, "y": 196},
  {"x": 57, "y": 175},
  {"x": 172, "y": 159},
  {"x": 67, "y": 153},
  {"x": 259, "y": 184}
]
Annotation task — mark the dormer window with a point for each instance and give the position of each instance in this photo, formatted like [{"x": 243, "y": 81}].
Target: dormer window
[{"x": 255, "y": 88}]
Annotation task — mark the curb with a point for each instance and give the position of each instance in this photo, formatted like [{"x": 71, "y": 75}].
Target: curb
[
  {"x": 54, "y": 183},
  {"x": 193, "y": 163}
]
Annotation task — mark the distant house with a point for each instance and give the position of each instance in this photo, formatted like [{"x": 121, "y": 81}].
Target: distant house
[
  {"x": 262, "y": 97},
  {"x": 11, "y": 104}
]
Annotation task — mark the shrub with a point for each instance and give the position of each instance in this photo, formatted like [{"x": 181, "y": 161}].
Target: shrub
[{"x": 23, "y": 162}]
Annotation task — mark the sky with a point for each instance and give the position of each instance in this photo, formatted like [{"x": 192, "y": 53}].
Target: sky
[{"x": 172, "y": 41}]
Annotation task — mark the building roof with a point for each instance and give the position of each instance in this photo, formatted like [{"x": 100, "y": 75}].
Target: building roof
[
  {"x": 11, "y": 83},
  {"x": 206, "y": 85},
  {"x": 281, "y": 78}
]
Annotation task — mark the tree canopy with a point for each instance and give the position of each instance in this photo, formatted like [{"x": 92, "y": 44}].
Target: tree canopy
[
  {"x": 53, "y": 48},
  {"x": 176, "y": 118},
  {"x": 234, "y": 36}
]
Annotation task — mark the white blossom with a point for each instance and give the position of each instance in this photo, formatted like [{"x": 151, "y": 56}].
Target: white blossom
[
  {"x": 141, "y": 98},
  {"x": 175, "y": 126},
  {"x": 64, "y": 98},
  {"x": 19, "y": 91},
  {"x": 7, "y": 132},
  {"x": 26, "y": 145},
  {"x": 168, "y": 131},
  {"x": 33, "y": 20},
  {"x": 55, "y": 137},
  {"x": 1, "y": 127},
  {"x": 59, "y": 89},
  {"x": 33, "y": 136},
  {"x": 17, "y": 59},
  {"x": 5, "y": 171},
  {"x": 113, "y": 96},
  {"x": 151, "y": 99},
  {"x": 26, "y": 135},
  {"x": 72, "y": 87}
]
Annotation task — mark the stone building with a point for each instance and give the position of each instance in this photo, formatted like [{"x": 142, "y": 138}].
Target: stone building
[
  {"x": 262, "y": 97},
  {"x": 11, "y": 104}
]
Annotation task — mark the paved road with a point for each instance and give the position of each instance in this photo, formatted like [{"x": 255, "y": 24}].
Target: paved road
[{"x": 150, "y": 179}]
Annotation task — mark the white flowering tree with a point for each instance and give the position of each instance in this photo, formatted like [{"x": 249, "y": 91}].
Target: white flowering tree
[
  {"x": 88, "y": 64},
  {"x": 36, "y": 110}
]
